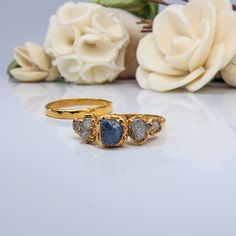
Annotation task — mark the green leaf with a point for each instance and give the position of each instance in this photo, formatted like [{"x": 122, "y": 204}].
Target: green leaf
[
  {"x": 12, "y": 66},
  {"x": 141, "y": 8},
  {"x": 153, "y": 11}
]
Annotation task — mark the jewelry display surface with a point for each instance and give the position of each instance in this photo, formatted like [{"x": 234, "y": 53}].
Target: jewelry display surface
[{"x": 180, "y": 183}]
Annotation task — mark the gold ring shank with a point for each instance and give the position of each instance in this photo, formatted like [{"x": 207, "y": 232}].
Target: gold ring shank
[
  {"x": 161, "y": 119},
  {"x": 58, "y": 109}
]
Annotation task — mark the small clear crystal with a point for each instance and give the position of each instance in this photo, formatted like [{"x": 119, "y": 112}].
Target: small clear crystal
[
  {"x": 139, "y": 129},
  {"x": 156, "y": 126},
  {"x": 76, "y": 125},
  {"x": 85, "y": 128}
]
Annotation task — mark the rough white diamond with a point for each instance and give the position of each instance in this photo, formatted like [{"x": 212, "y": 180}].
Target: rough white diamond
[
  {"x": 156, "y": 126},
  {"x": 76, "y": 125},
  {"x": 85, "y": 128},
  {"x": 139, "y": 129}
]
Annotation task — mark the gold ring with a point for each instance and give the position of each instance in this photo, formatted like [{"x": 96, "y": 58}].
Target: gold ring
[
  {"x": 114, "y": 130},
  {"x": 58, "y": 109}
]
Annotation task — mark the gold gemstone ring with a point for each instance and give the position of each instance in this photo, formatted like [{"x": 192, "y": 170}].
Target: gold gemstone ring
[
  {"x": 114, "y": 130},
  {"x": 62, "y": 109}
]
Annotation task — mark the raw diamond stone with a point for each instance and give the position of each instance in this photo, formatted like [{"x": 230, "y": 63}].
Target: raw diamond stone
[
  {"x": 111, "y": 132},
  {"x": 156, "y": 126},
  {"x": 139, "y": 129},
  {"x": 76, "y": 125},
  {"x": 85, "y": 128}
]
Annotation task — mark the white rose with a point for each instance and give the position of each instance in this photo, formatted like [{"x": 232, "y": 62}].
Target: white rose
[
  {"x": 229, "y": 73},
  {"x": 34, "y": 64},
  {"x": 88, "y": 43},
  {"x": 189, "y": 45}
]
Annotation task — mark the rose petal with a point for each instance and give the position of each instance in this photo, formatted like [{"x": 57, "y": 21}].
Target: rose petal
[
  {"x": 222, "y": 5},
  {"x": 120, "y": 60},
  {"x": 171, "y": 23},
  {"x": 74, "y": 14},
  {"x": 28, "y": 74},
  {"x": 22, "y": 57},
  {"x": 226, "y": 34},
  {"x": 53, "y": 74},
  {"x": 53, "y": 26},
  {"x": 181, "y": 61},
  {"x": 213, "y": 66},
  {"x": 92, "y": 49},
  {"x": 130, "y": 24},
  {"x": 201, "y": 54},
  {"x": 64, "y": 39},
  {"x": 229, "y": 73},
  {"x": 142, "y": 78},
  {"x": 198, "y": 10},
  {"x": 89, "y": 30},
  {"x": 69, "y": 67},
  {"x": 150, "y": 58},
  {"x": 161, "y": 82},
  {"x": 38, "y": 56},
  {"x": 109, "y": 25},
  {"x": 99, "y": 73}
]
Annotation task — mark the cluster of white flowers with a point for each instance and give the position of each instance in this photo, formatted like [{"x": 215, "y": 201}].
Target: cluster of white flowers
[
  {"x": 87, "y": 43},
  {"x": 33, "y": 64}
]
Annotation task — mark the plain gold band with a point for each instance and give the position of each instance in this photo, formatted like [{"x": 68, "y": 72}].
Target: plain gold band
[{"x": 57, "y": 109}]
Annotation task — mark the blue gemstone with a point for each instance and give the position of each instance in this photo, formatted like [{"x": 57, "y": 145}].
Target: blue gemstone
[{"x": 111, "y": 132}]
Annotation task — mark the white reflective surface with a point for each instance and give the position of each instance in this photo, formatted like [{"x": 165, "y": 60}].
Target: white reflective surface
[{"x": 180, "y": 184}]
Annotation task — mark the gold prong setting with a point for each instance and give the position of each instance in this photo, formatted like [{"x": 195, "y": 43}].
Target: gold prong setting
[{"x": 139, "y": 129}]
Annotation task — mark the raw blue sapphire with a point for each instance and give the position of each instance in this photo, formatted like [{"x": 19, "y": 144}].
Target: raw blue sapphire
[{"x": 111, "y": 132}]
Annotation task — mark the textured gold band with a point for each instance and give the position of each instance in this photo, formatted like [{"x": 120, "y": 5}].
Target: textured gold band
[
  {"x": 161, "y": 119},
  {"x": 62, "y": 109}
]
